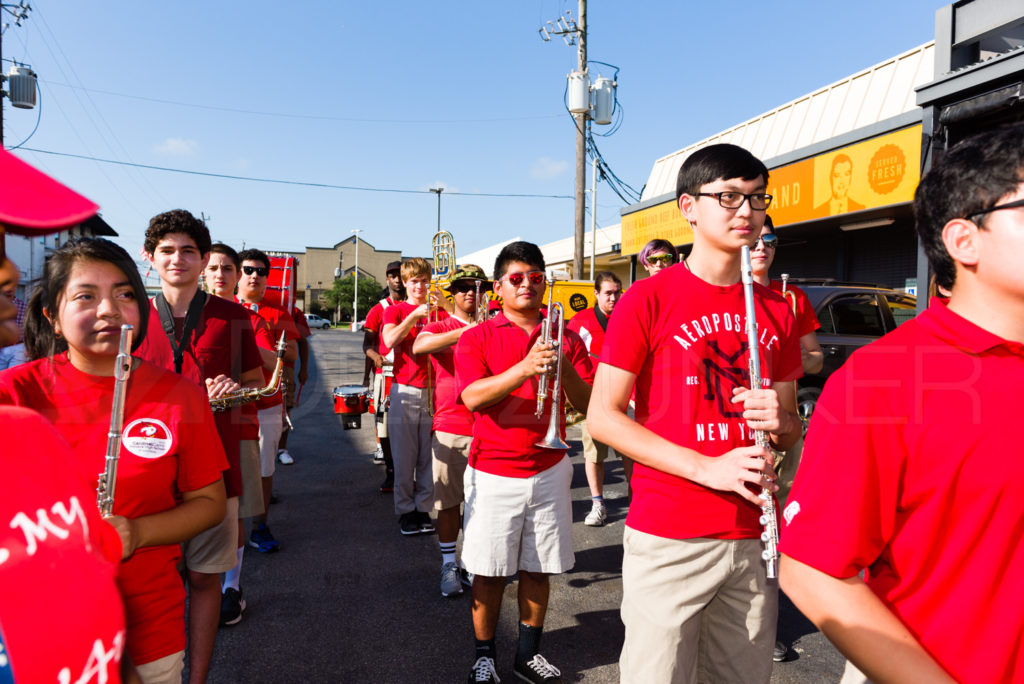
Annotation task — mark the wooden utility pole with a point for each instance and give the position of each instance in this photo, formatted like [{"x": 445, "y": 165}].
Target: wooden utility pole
[{"x": 582, "y": 121}]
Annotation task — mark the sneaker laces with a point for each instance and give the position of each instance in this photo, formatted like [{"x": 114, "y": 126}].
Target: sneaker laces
[
  {"x": 541, "y": 666},
  {"x": 483, "y": 670}
]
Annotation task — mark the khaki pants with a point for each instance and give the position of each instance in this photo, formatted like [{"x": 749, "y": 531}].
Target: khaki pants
[
  {"x": 166, "y": 670},
  {"x": 696, "y": 610}
]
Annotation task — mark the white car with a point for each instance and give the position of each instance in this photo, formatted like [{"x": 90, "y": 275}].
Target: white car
[{"x": 314, "y": 321}]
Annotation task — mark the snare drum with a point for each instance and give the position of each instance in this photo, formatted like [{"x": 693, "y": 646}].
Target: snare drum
[{"x": 351, "y": 401}]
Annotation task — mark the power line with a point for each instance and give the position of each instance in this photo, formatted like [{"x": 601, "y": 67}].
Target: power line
[{"x": 279, "y": 181}]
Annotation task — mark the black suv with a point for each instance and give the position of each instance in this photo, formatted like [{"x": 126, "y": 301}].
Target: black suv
[{"x": 851, "y": 316}]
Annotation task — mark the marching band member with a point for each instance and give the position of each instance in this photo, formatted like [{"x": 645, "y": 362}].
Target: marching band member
[
  {"x": 657, "y": 255},
  {"x": 409, "y": 422},
  {"x": 169, "y": 485},
  {"x": 251, "y": 288},
  {"x": 290, "y": 380},
  {"x": 518, "y": 515},
  {"x": 696, "y": 602},
  {"x": 207, "y": 340},
  {"x": 908, "y": 470},
  {"x": 591, "y": 325},
  {"x": 381, "y": 359},
  {"x": 453, "y": 423}
]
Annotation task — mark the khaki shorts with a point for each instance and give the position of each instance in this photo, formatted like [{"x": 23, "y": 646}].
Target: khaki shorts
[
  {"x": 250, "y": 502},
  {"x": 450, "y": 454},
  {"x": 166, "y": 670},
  {"x": 593, "y": 451},
  {"x": 215, "y": 550},
  {"x": 696, "y": 610},
  {"x": 380, "y": 405},
  {"x": 518, "y": 523},
  {"x": 271, "y": 425}
]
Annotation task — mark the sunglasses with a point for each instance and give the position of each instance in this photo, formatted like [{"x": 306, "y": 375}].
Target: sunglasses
[
  {"x": 463, "y": 286},
  {"x": 769, "y": 240},
  {"x": 261, "y": 271},
  {"x": 663, "y": 259},
  {"x": 516, "y": 279}
]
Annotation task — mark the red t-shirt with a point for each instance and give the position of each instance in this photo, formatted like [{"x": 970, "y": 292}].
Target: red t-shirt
[
  {"x": 375, "y": 324},
  {"x": 806, "y": 319},
  {"x": 586, "y": 325},
  {"x": 279, "y": 322},
  {"x": 61, "y": 615},
  {"x": 686, "y": 342},
  {"x": 410, "y": 369},
  {"x": 908, "y": 471},
  {"x": 301, "y": 326},
  {"x": 505, "y": 434},
  {"x": 221, "y": 344},
  {"x": 169, "y": 445},
  {"x": 450, "y": 415}
]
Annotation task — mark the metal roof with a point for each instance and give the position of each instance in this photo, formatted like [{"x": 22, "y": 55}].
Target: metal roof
[{"x": 876, "y": 94}]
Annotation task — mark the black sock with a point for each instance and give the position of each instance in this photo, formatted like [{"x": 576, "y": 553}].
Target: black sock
[
  {"x": 485, "y": 649},
  {"x": 529, "y": 642}
]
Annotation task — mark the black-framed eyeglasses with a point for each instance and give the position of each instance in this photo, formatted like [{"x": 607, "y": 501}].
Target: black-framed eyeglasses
[
  {"x": 769, "y": 240},
  {"x": 261, "y": 271},
  {"x": 516, "y": 279},
  {"x": 1016, "y": 204},
  {"x": 759, "y": 201}
]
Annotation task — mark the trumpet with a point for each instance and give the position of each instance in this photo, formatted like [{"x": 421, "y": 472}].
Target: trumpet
[
  {"x": 770, "y": 533},
  {"x": 787, "y": 294},
  {"x": 108, "y": 478},
  {"x": 481, "y": 305},
  {"x": 247, "y": 395},
  {"x": 553, "y": 438}
]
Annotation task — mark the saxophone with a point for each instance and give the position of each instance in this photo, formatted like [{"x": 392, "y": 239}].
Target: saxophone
[
  {"x": 108, "y": 478},
  {"x": 770, "y": 534},
  {"x": 247, "y": 395}
]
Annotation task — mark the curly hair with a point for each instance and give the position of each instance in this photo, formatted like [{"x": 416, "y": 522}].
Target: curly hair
[{"x": 177, "y": 221}]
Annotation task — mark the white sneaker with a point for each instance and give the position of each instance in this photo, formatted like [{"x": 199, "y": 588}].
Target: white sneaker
[
  {"x": 597, "y": 516},
  {"x": 378, "y": 456},
  {"x": 284, "y": 457},
  {"x": 451, "y": 584}
]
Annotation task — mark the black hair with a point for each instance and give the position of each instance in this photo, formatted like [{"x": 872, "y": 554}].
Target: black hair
[
  {"x": 177, "y": 221},
  {"x": 971, "y": 177},
  {"x": 40, "y": 339},
  {"x": 769, "y": 224},
  {"x": 228, "y": 251},
  {"x": 523, "y": 252},
  {"x": 717, "y": 162},
  {"x": 603, "y": 276},
  {"x": 253, "y": 255}
]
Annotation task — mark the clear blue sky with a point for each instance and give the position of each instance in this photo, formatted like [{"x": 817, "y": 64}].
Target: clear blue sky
[{"x": 404, "y": 96}]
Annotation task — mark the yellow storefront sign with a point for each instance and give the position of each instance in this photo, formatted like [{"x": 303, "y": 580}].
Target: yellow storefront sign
[{"x": 874, "y": 173}]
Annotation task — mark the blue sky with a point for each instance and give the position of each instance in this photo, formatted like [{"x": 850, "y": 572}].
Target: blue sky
[{"x": 405, "y": 96}]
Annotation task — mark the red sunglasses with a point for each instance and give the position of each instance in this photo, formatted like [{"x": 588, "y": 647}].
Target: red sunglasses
[{"x": 516, "y": 279}]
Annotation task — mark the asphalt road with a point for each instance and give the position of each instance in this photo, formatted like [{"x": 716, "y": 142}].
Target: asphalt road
[{"x": 349, "y": 599}]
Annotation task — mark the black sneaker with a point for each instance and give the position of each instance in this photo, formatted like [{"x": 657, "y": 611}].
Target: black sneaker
[
  {"x": 538, "y": 670},
  {"x": 483, "y": 671},
  {"x": 781, "y": 652},
  {"x": 425, "y": 523},
  {"x": 231, "y": 606},
  {"x": 388, "y": 485},
  {"x": 409, "y": 524}
]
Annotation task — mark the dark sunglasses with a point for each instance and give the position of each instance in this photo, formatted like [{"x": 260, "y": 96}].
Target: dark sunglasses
[
  {"x": 663, "y": 259},
  {"x": 261, "y": 271},
  {"x": 769, "y": 240},
  {"x": 464, "y": 286},
  {"x": 516, "y": 279}
]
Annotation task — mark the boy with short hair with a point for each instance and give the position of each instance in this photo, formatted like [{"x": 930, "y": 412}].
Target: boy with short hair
[
  {"x": 381, "y": 360},
  {"x": 908, "y": 469},
  {"x": 696, "y": 602}
]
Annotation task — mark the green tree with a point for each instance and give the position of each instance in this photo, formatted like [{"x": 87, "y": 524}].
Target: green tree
[{"x": 340, "y": 294}]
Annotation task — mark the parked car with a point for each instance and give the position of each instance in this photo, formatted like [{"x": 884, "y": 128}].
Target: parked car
[
  {"x": 851, "y": 316},
  {"x": 314, "y": 321}
]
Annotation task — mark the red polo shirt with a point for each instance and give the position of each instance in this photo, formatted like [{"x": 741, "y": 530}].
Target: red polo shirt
[
  {"x": 450, "y": 415},
  {"x": 280, "y": 322},
  {"x": 588, "y": 327},
  {"x": 505, "y": 434},
  {"x": 410, "y": 369},
  {"x": 910, "y": 471},
  {"x": 686, "y": 341},
  {"x": 806, "y": 319},
  {"x": 375, "y": 324}
]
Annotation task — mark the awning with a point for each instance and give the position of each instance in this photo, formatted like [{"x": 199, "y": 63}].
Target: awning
[{"x": 32, "y": 203}]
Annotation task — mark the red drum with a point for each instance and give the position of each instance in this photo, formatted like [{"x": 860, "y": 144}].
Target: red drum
[
  {"x": 351, "y": 401},
  {"x": 281, "y": 282}
]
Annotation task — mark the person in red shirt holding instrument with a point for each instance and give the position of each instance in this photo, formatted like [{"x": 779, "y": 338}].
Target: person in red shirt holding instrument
[
  {"x": 169, "y": 485},
  {"x": 908, "y": 473},
  {"x": 518, "y": 515},
  {"x": 590, "y": 325},
  {"x": 453, "y": 423},
  {"x": 696, "y": 599}
]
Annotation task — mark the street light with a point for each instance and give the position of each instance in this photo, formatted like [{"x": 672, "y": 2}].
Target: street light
[
  {"x": 438, "y": 191},
  {"x": 355, "y": 282}
]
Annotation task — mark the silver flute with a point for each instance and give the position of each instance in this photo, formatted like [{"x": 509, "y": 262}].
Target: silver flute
[
  {"x": 108, "y": 478},
  {"x": 770, "y": 533}
]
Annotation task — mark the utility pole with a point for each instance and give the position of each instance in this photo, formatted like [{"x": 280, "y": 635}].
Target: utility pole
[{"x": 581, "y": 152}]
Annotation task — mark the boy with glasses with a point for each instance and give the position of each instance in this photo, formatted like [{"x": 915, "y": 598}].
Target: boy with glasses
[
  {"x": 453, "y": 423},
  {"x": 518, "y": 505},
  {"x": 908, "y": 470},
  {"x": 696, "y": 602}
]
